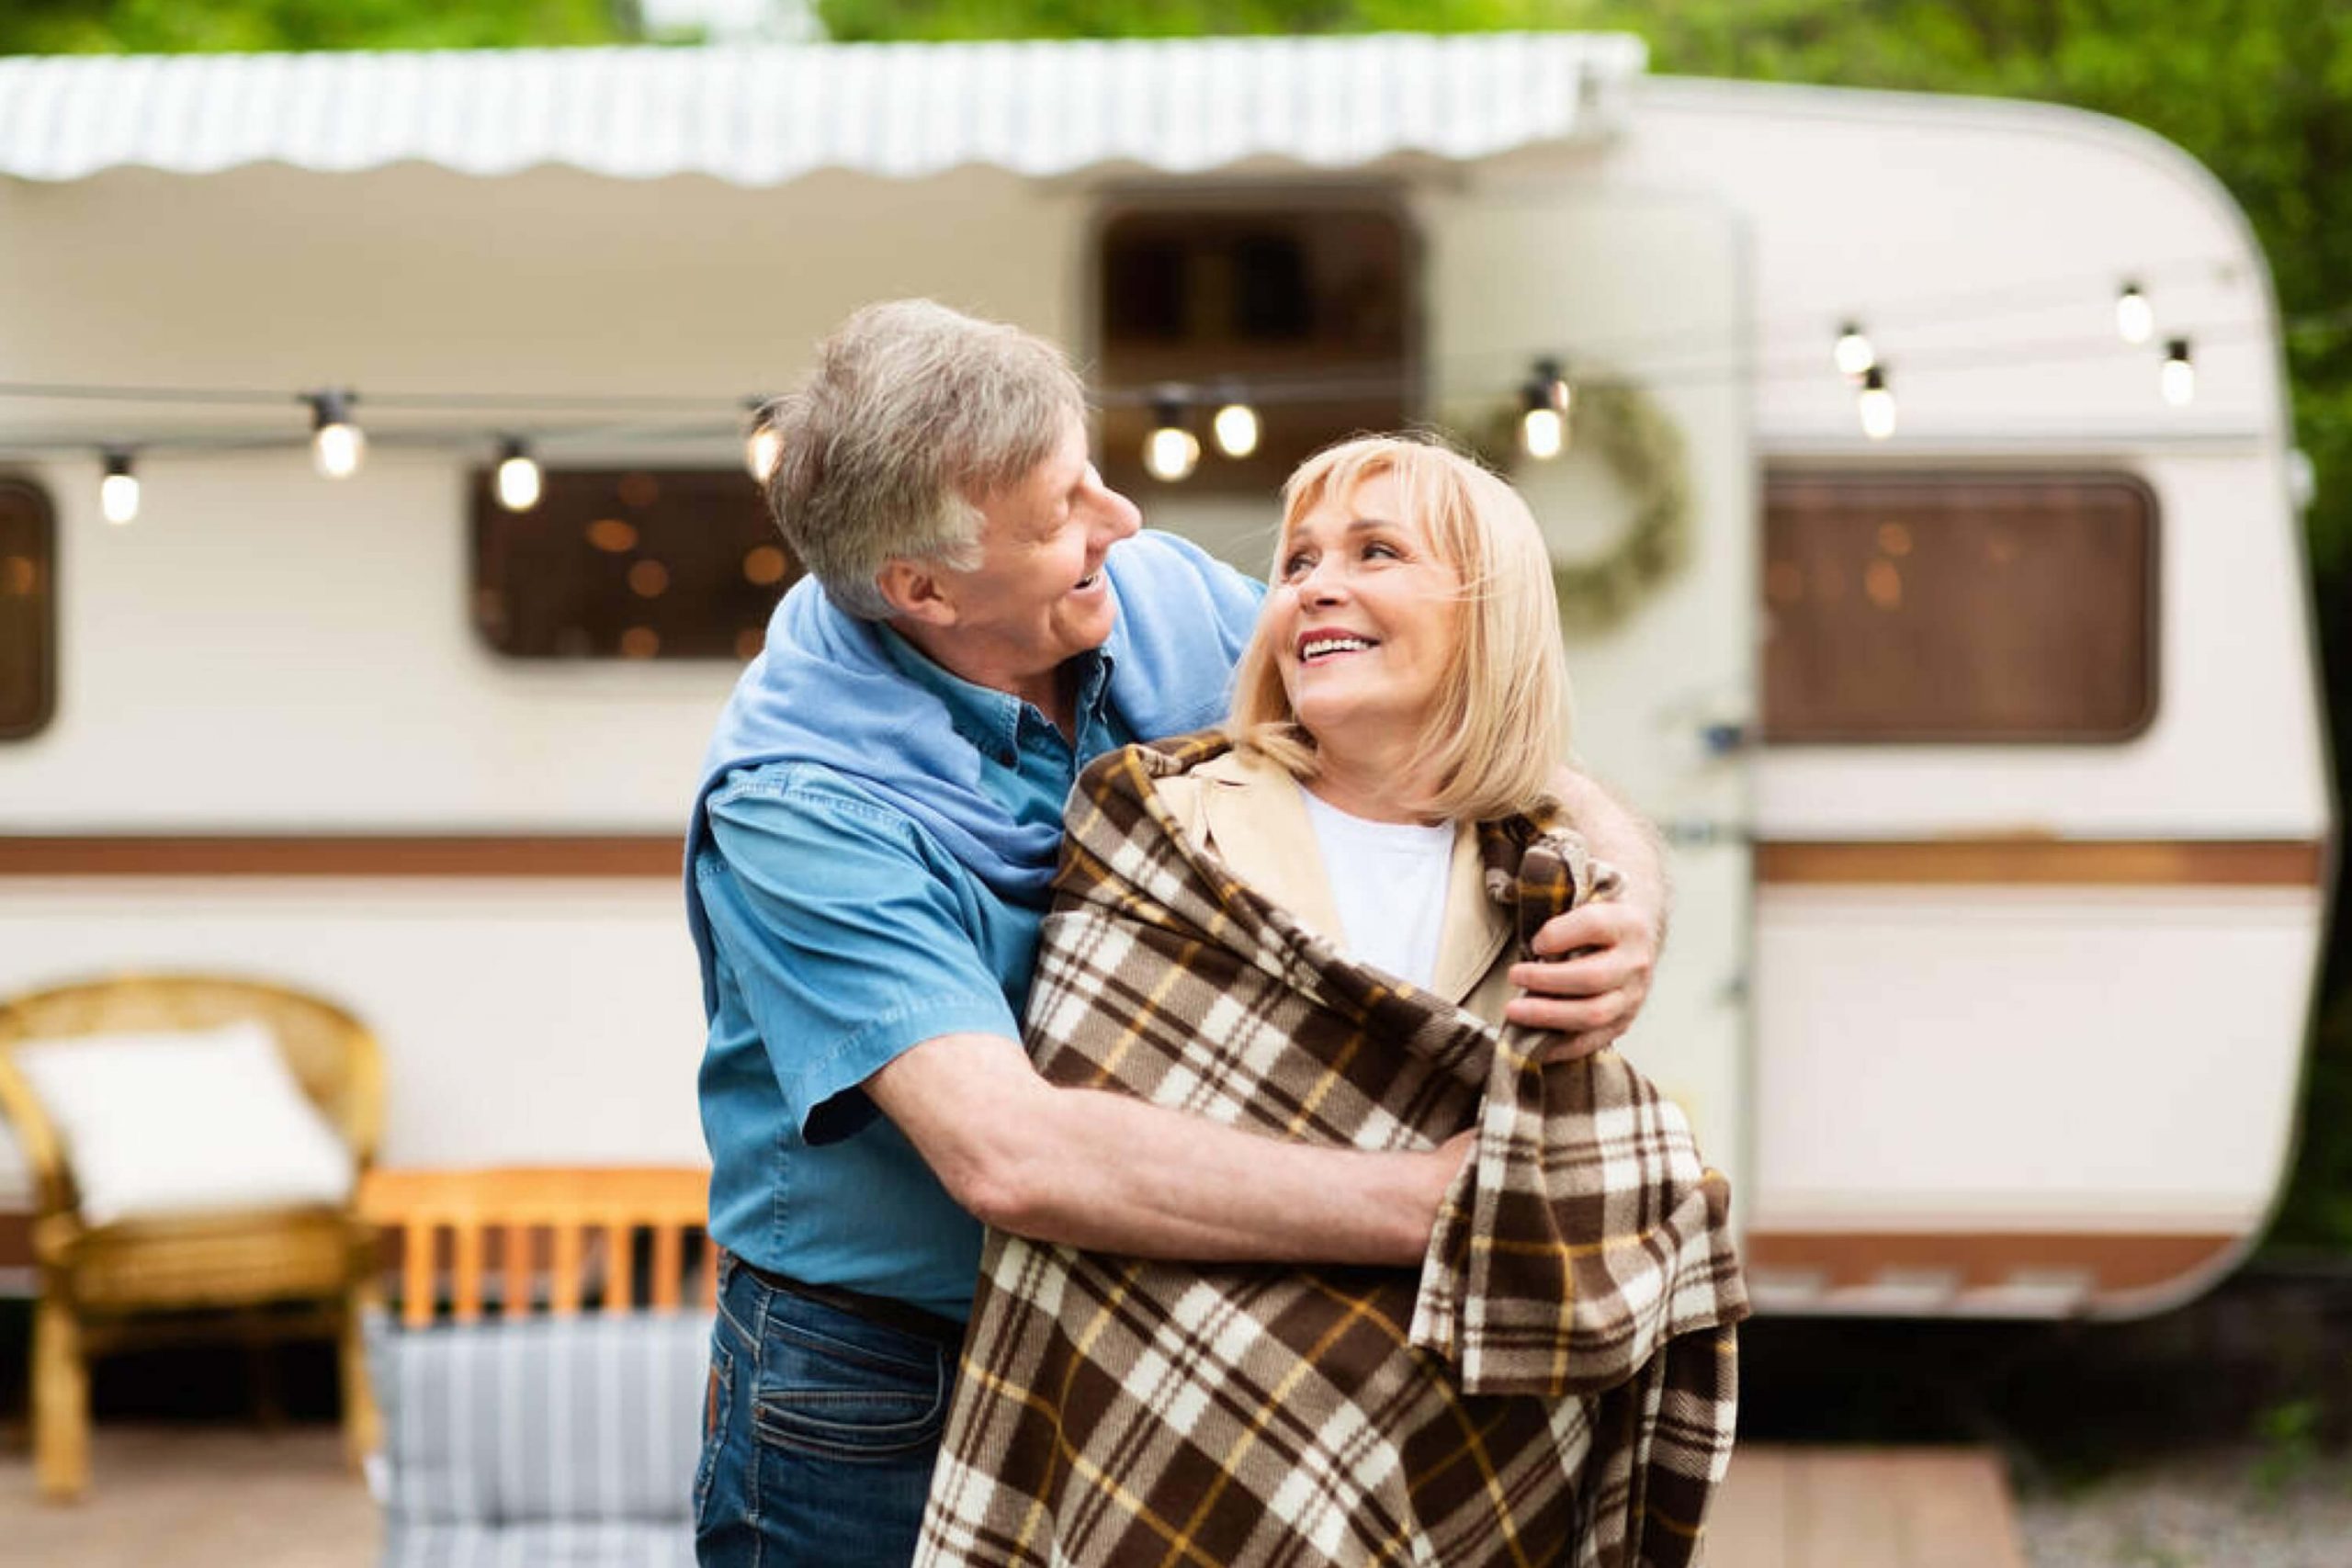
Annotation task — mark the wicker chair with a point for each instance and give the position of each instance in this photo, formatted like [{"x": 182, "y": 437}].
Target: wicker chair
[{"x": 280, "y": 1271}]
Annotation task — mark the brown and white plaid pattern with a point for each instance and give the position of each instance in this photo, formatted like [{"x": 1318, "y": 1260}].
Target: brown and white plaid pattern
[{"x": 1556, "y": 1387}]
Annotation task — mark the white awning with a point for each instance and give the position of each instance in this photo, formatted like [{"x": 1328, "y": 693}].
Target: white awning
[{"x": 760, "y": 115}]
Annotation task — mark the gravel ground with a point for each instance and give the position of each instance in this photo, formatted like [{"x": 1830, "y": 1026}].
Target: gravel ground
[{"x": 2242, "y": 1507}]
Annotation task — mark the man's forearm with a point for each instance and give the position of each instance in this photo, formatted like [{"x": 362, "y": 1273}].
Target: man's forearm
[
  {"x": 1102, "y": 1170},
  {"x": 1124, "y": 1176}
]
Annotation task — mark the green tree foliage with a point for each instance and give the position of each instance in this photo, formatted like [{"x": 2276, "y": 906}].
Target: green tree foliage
[{"x": 175, "y": 27}]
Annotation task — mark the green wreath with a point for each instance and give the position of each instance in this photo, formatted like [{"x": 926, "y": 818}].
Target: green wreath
[{"x": 1644, "y": 449}]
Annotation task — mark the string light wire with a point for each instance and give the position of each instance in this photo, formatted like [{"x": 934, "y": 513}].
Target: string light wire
[{"x": 1745, "y": 364}]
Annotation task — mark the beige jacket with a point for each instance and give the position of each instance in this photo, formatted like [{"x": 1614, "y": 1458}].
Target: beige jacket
[{"x": 1251, "y": 813}]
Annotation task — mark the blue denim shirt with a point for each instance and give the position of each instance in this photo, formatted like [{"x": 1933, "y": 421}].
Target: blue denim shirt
[{"x": 842, "y": 934}]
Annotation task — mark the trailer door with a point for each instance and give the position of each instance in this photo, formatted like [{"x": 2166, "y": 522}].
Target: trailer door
[{"x": 1649, "y": 290}]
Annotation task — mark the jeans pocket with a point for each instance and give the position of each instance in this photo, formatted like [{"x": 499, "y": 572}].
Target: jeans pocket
[
  {"x": 851, "y": 1407},
  {"x": 718, "y": 1409}
]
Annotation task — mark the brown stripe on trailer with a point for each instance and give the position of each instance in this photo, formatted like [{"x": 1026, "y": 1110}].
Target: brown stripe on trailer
[
  {"x": 654, "y": 854},
  {"x": 2111, "y": 1262},
  {"x": 354, "y": 855},
  {"x": 2020, "y": 862},
  {"x": 16, "y": 1239},
  {"x": 2245, "y": 862}
]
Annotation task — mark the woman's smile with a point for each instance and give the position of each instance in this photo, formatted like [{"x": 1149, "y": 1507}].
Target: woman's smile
[{"x": 1321, "y": 646}]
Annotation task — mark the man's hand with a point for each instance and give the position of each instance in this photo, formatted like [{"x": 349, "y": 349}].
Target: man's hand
[
  {"x": 1591, "y": 976},
  {"x": 1594, "y": 964}
]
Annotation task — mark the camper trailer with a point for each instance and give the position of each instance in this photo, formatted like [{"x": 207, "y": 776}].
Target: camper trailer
[{"x": 1918, "y": 470}]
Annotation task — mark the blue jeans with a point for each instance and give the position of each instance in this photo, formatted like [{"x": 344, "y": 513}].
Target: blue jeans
[{"x": 818, "y": 1433}]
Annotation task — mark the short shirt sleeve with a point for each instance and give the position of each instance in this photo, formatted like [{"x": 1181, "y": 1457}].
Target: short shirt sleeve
[{"x": 850, "y": 934}]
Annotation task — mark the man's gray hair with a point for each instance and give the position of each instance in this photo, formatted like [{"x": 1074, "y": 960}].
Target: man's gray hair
[{"x": 912, "y": 414}]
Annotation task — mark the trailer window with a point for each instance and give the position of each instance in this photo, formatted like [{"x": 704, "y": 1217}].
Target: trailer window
[
  {"x": 28, "y": 611},
  {"x": 1957, "y": 607},
  {"x": 1303, "y": 305},
  {"x": 631, "y": 563}
]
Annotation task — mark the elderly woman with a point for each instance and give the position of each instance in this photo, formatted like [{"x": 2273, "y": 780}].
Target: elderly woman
[{"x": 1305, "y": 927}]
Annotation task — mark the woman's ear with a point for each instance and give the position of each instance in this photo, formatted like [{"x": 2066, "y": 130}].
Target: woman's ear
[{"x": 915, "y": 591}]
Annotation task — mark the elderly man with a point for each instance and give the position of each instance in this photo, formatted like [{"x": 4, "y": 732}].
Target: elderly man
[{"x": 866, "y": 869}]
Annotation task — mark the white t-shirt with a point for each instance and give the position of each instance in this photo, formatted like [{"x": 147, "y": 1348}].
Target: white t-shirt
[{"x": 1388, "y": 881}]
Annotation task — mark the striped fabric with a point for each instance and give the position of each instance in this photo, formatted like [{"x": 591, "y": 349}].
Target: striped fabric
[
  {"x": 541, "y": 1441},
  {"x": 765, "y": 115},
  {"x": 600, "y": 1544},
  {"x": 1555, "y": 1386}
]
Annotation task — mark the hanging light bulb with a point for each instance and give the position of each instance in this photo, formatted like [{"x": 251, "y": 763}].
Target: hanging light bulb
[
  {"x": 1543, "y": 424},
  {"x": 1170, "y": 452},
  {"x": 518, "y": 477},
  {"x": 336, "y": 444},
  {"x": 2179, "y": 378},
  {"x": 2135, "y": 319},
  {"x": 762, "y": 450},
  {"x": 1854, "y": 354},
  {"x": 119, "y": 491},
  {"x": 1876, "y": 404},
  {"x": 1235, "y": 428}
]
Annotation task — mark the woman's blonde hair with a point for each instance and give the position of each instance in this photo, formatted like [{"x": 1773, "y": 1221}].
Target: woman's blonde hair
[{"x": 1499, "y": 725}]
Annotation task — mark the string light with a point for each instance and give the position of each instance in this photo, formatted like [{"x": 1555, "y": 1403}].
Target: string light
[
  {"x": 2135, "y": 319},
  {"x": 336, "y": 444},
  {"x": 1543, "y": 434},
  {"x": 1854, "y": 355},
  {"x": 2178, "y": 380},
  {"x": 1237, "y": 425},
  {"x": 1235, "y": 428},
  {"x": 518, "y": 477},
  {"x": 119, "y": 491},
  {"x": 1876, "y": 404},
  {"x": 1170, "y": 452},
  {"x": 1544, "y": 420},
  {"x": 763, "y": 445}
]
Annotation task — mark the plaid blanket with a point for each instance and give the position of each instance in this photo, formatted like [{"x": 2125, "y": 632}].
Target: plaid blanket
[{"x": 1557, "y": 1386}]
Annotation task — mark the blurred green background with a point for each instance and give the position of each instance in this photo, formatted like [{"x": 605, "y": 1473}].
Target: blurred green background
[{"x": 2260, "y": 90}]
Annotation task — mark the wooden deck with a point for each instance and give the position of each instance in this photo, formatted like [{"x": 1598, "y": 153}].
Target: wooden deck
[
  {"x": 209, "y": 1497},
  {"x": 1843, "y": 1508}
]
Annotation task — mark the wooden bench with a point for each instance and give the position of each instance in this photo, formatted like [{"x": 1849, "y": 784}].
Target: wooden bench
[{"x": 562, "y": 1236}]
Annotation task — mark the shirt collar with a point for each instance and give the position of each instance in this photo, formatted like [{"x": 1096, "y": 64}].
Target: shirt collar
[{"x": 989, "y": 718}]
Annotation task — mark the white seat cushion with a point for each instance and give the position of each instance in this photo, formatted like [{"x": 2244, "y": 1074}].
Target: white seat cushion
[{"x": 195, "y": 1122}]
